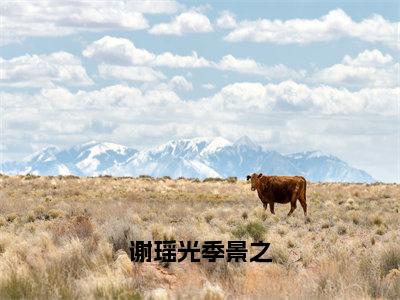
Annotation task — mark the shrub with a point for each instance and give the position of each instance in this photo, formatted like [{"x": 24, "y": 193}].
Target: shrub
[
  {"x": 208, "y": 217},
  {"x": 147, "y": 177},
  {"x": 16, "y": 286},
  {"x": 30, "y": 176},
  {"x": 254, "y": 229},
  {"x": 212, "y": 179},
  {"x": 3, "y": 221},
  {"x": 55, "y": 213},
  {"x": 30, "y": 217},
  {"x": 105, "y": 176},
  {"x": 381, "y": 230},
  {"x": 326, "y": 225},
  {"x": 11, "y": 217},
  {"x": 279, "y": 254},
  {"x": 40, "y": 212},
  {"x": 389, "y": 259},
  {"x": 341, "y": 229},
  {"x": 281, "y": 231},
  {"x": 231, "y": 179},
  {"x": 291, "y": 244},
  {"x": 377, "y": 220},
  {"x": 67, "y": 177}
]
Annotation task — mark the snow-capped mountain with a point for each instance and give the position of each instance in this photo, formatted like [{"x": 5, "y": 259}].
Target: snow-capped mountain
[
  {"x": 317, "y": 166},
  {"x": 198, "y": 157},
  {"x": 186, "y": 157},
  {"x": 88, "y": 159}
]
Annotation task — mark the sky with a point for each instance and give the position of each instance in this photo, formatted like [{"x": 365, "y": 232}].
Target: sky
[{"x": 292, "y": 75}]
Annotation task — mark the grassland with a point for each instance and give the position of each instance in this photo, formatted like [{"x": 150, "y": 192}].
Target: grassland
[{"x": 66, "y": 237}]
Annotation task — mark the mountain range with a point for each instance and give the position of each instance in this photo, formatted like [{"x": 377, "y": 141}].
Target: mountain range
[{"x": 198, "y": 157}]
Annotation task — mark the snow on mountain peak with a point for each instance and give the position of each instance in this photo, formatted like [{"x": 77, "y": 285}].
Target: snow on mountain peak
[
  {"x": 46, "y": 154},
  {"x": 103, "y": 147},
  {"x": 316, "y": 154},
  {"x": 195, "y": 146},
  {"x": 214, "y": 145},
  {"x": 91, "y": 159},
  {"x": 198, "y": 157},
  {"x": 310, "y": 155}
]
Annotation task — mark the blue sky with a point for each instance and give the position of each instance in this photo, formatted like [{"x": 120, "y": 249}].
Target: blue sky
[{"x": 292, "y": 75}]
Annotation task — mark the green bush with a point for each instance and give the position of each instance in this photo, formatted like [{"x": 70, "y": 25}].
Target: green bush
[
  {"x": 254, "y": 229},
  {"x": 147, "y": 177},
  {"x": 231, "y": 179},
  {"x": 212, "y": 179}
]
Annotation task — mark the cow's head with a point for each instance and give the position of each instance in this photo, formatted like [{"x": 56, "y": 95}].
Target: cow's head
[{"x": 255, "y": 180}]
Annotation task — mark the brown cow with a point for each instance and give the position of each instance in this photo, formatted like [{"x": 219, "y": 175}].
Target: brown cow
[{"x": 279, "y": 189}]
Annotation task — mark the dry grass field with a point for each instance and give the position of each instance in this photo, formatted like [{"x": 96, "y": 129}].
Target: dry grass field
[{"x": 66, "y": 237}]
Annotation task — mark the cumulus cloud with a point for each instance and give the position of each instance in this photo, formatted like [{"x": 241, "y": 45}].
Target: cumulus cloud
[
  {"x": 187, "y": 22},
  {"x": 132, "y": 73},
  {"x": 250, "y": 66},
  {"x": 171, "y": 60},
  {"x": 117, "y": 51},
  {"x": 368, "y": 58},
  {"x": 232, "y": 100},
  {"x": 332, "y": 26},
  {"x": 23, "y": 19},
  {"x": 180, "y": 82},
  {"x": 43, "y": 70},
  {"x": 291, "y": 96},
  {"x": 226, "y": 20},
  {"x": 46, "y": 18},
  {"x": 122, "y": 51},
  {"x": 368, "y": 68},
  {"x": 148, "y": 116}
]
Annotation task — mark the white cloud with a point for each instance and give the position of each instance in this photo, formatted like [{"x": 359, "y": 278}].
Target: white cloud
[
  {"x": 208, "y": 86},
  {"x": 23, "y": 19},
  {"x": 133, "y": 73},
  {"x": 250, "y": 66},
  {"x": 152, "y": 7},
  {"x": 117, "y": 51},
  {"x": 122, "y": 51},
  {"x": 336, "y": 24},
  {"x": 369, "y": 68},
  {"x": 43, "y": 70},
  {"x": 226, "y": 20},
  {"x": 368, "y": 58},
  {"x": 317, "y": 116},
  {"x": 168, "y": 59},
  {"x": 187, "y": 22},
  {"x": 231, "y": 101},
  {"x": 289, "y": 96},
  {"x": 180, "y": 82}
]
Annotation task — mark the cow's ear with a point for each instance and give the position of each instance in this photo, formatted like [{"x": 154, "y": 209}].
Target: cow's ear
[
  {"x": 259, "y": 175},
  {"x": 248, "y": 177}
]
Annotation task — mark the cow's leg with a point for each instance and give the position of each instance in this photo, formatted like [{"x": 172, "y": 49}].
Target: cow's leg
[
  {"x": 265, "y": 204},
  {"x": 302, "y": 199},
  {"x": 271, "y": 207},
  {"x": 303, "y": 204},
  {"x": 292, "y": 207},
  {"x": 293, "y": 202}
]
